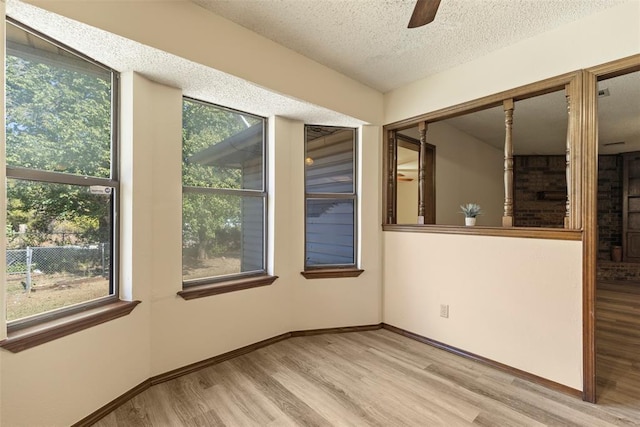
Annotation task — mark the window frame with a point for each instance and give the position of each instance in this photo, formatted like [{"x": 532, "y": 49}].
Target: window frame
[
  {"x": 213, "y": 285},
  {"x": 333, "y": 270},
  {"x": 98, "y": 305}
]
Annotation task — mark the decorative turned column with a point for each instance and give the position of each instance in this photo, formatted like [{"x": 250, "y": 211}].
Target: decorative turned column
[
  {"x": 422, "y": 128},
  {"x": 567, "y": 213},
  {"x": 507, "y": 217},
  {"x": 392, "y": 168}
]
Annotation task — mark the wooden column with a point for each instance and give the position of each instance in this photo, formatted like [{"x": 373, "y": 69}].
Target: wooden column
[
  {"x": 422, "y": 128},
  {"x": 567, "y": 214},
  {"x": 392, "y": 173},
  {"x": 507, "y": 218}
]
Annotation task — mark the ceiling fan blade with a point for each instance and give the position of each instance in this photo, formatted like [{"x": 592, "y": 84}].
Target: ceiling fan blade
[{"x": 424, "y": 12}]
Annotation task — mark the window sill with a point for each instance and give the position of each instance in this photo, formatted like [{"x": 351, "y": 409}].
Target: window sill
[
  {"x": 201, "y": 291},
  {"x": 533, "y": 233},
  {"x": 25, "y": 338},
  {"x": 331, "y": 273}
]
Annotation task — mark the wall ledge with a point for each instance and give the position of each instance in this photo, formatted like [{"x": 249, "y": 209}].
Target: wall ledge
[
  {"x": 532, "y": 233},
  {"x": 28, "y": 337}
]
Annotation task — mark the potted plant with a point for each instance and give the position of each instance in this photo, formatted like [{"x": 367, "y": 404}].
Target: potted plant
[{"x": 470, "y": 211}]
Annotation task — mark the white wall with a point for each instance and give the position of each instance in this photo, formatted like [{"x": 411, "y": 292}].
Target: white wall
[
  {"x": 515, "y": 301},
  {"x": 596, "y": 39},
  {"x": 467, "y": 171}
]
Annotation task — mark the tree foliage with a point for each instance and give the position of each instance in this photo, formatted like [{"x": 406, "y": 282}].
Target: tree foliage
[
  {"x": 58, "y": 118},
  {"x": 211, "y": 222}
]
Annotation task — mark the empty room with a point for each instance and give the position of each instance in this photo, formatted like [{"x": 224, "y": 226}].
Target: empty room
[{"x": 330, "y": 212}]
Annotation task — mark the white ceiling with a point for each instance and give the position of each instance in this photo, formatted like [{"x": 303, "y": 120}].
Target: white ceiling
[{"x": 368, "y": 40}]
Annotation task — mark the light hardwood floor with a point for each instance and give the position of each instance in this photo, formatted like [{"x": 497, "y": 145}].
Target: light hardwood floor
[
  {"x": 380, "y": 378},
  {"x": 618, "y": 347}
]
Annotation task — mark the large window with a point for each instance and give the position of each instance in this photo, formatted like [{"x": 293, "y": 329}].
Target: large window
[
  {"x": 62, "y": 182},
  {"x": 331, "y": 202},
  {"x": 224, "y": 194}
]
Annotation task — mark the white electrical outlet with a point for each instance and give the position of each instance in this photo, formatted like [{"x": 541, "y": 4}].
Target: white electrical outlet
[{"x": 444, "y": 310}]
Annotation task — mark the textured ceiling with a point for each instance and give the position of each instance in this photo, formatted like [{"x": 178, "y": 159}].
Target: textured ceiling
[
  {"x": 368, "y": 40},
  {"x": 195, "y": 80},
  {"x": 538, "y": 125}
]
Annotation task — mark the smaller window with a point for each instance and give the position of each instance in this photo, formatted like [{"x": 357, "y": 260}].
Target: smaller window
[
  {"x": 224, "y": 199},
  {"x": 330, "y": 197}
]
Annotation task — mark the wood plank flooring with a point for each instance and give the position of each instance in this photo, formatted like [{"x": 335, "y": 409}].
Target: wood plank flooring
[
  {"x": 379, "y": 378},
  {"x": 618, "y": 348}
]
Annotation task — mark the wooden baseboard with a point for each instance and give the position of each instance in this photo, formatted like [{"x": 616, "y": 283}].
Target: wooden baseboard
[
  {"x": 336, "y": 330},
  {"x": 492, "y": 363},
  {"x": 175, "y": 373},
  {"x": 193, "y": 367},
  {"x": 96, "y": 416}
]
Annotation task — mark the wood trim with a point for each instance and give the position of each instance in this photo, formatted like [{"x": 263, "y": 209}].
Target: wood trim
[
  {"x": 567, "y": 160},
  {"x": 589, "y": 125},
  {"x": 391, "y": 176},
  {"x": 575, "y": 158},
  {"x": 342, "y": 330},
  {"x": 496, "y": 365},
  {"x": 422, "y": 128},
  {"x": 205, "y": 290},
  {"x": 331, "y": 273},
  {"x": 507, "y": 216},
  {"x": 96, "y": 416},
  {"x": 617, "y": 67},
  {"x": 517, "y": 94},
  {"x": 193, "y": 367},
  {"x": 533, "y": 233},
  {"x": 25, "y": 338}
]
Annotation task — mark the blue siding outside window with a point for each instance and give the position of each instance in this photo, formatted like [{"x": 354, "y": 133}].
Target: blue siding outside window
[{"x": 331, "y": 202}]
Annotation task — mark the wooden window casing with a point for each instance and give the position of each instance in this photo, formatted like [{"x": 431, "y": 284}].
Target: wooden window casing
[
  {"x": 330, "y": 192},
  {"x": 572, "y": 84}
]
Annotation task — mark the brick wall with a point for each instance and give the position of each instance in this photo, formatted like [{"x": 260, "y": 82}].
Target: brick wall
[
  {"x": 609, "y": 204},
  {"x": 540, "y": 181},
  {"x": 540, "y": 191}
]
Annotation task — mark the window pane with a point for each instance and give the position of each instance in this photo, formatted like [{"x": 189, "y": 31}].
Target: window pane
[
  {"x": 58, "y": 246},
  {"x": 329, "y": 160},
  {"x": 221, "y": 235},
  {"x": 221, "y": 148},
  {"x": 58, "y": 108},
  {"x": 330, "y": 228}
]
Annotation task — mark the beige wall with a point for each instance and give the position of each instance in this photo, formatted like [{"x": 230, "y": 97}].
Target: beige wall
[
  {"x": 467, "y": 171},
  {"x": 407, "y": 206},
  {"x": 73, "y": 376},
  {"x": 495, "y": 312},
  {"x": 515, "y": 301}
]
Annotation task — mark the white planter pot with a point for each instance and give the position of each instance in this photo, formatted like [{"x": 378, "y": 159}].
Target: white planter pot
[{"x": 469, "y": 221}]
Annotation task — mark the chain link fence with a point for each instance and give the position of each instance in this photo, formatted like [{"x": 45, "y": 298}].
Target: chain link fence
[{"x": 83, "y": 261}]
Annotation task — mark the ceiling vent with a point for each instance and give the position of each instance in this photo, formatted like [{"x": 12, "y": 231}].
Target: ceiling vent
[{"x": 603, "y": 92}]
